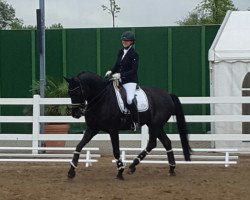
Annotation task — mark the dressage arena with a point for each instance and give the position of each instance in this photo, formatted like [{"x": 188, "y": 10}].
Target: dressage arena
[
  {"x": 22, "y": 181},
  {"x": 225, "y": 126},
  {"x": 36, "y": 181}
]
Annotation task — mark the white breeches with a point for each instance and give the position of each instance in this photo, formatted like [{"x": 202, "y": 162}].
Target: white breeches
[{"x": 130, "y": 90}]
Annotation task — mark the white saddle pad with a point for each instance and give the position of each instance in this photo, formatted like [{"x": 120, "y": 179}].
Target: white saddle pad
[{"x": 141, "y": 97}]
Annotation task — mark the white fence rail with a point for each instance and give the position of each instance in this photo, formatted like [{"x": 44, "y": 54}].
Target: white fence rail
[
  {"x": 222, "y": 156},
  {"x": 36, "y": 119},
  {"x": 26, "y": 155}
]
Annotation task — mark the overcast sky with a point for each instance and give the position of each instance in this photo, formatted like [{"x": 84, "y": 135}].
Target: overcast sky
[{"x": 89, "y": 13}]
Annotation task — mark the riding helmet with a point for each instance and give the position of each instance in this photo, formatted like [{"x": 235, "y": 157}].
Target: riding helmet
[{"x": 128, "y": 36}]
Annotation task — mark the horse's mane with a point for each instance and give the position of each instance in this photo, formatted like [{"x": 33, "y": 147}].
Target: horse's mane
[{"x": 92, "y": 77}]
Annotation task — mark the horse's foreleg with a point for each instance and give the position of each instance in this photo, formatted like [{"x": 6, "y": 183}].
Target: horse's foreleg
[
  {"x": 88, "y": 135},
  {"x": 137, "y": 160},
  {"x": 171, "y": 161},
  {"x": 151, "y": 144},
  {"x": 116, "y": 152},
  {"x": 166, "y": 142}
]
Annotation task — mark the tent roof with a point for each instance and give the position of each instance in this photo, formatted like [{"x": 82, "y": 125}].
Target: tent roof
[{"x": 232, "y": 42}]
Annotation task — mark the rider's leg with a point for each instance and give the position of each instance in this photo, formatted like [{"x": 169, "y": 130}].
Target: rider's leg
[{"x": 130, "y": 91}]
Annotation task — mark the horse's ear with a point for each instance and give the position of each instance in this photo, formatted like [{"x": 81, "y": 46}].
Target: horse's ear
[{"x": 66, "y": 79}]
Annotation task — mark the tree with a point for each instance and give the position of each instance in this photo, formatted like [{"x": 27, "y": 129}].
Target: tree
[
  {"x": 8, "y": 18},
  {"x": 28, "y": 27},
  {"x": 56, "y": 26},
  {"x": 31, "y": 27},
  {"x": 113, "y": 9},
  {"x": 208, "y": 12}
]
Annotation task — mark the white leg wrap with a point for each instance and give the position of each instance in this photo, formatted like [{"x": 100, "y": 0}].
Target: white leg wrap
[
  {"x": 171, "y": 150},
  {"x": 146, "y": 151},
  {"x": 72, "y": 164},
  {"x": 122, "y": 167}
]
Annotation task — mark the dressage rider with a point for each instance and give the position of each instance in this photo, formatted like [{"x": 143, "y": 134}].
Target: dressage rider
[{"x": 125, "y": 69}]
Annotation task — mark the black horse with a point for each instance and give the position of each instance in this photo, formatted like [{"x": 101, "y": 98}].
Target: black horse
[{"x": 102, "y": 113}]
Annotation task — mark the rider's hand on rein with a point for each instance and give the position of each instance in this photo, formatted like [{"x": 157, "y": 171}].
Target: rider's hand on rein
[{"x": 116, "y": 76}]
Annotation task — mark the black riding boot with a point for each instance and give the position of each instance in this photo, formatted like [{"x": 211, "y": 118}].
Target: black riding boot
[{"x": 134, "y": 114}]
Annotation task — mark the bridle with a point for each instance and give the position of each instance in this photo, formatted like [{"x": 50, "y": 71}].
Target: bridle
[
  {"x": 83, "y": 105},
  {"x": 87, "y": 106}
]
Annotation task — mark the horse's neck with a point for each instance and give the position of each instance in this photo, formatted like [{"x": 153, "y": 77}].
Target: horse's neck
[{"x": 96, "y": 88}]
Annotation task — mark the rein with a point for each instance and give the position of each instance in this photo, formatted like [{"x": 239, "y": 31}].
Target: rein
[
  {"x": 86, "y": 107},
  {"x": 92, "y": 103}
]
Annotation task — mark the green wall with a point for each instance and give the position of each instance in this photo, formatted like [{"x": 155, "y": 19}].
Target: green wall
[{"x": 171, "y": 58}]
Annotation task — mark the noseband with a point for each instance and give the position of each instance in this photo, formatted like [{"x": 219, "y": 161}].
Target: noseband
[{"x": 81, "y": 106}]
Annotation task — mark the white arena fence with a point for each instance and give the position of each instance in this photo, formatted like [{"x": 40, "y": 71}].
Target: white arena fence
[
  {"x": 85, "y": 157},
  {"x": 219, "y": 156},
  {"x": 36, "y": 119}
]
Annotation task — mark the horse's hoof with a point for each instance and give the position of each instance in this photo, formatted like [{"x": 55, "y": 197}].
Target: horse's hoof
[
  {"x": 131, "y": 170},
  {"x": 172, "y": 174},
  {"x": 120, "y": 178},
  {"x": 71, "y": 174}
]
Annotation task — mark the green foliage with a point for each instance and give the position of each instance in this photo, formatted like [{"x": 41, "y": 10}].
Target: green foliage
[
  {"x": 53, "y": 89},
  {"x": 8, "y": 18},
  {"x": 208, "y": 12},
  {"x": 30, "y": 27},
  {"x": 56, "y": 26}
]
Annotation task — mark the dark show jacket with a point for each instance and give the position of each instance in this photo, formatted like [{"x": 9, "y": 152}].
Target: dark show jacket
[{"x": 127, "y": 66}]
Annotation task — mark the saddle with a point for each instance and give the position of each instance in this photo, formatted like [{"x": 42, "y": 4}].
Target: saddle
[{"x": 140, "y": 96}]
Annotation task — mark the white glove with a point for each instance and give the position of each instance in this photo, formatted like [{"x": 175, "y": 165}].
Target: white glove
[
  {"x": 108, "y": 73},
  {"x": 116, "y": 76}
]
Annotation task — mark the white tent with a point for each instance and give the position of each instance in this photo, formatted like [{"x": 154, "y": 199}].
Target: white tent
[{"x": 229, "y": 58}]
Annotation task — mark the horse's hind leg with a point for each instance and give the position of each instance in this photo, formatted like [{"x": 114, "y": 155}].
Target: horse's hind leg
[
  {"x": 151, "y": 144},
  {"x": 166, "y": 142},
  {"x": 88, "y": 135}
]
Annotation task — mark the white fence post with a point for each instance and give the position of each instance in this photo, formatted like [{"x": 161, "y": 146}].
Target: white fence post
[
  {"x": 87, "y": 159},
  {"x": 144, "y": 136},
  {"x": 227, "y": 159},
  {"x": 36, "y": 122}
]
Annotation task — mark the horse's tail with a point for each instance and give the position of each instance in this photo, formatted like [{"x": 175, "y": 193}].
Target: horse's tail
[{"x": 182, "y": 127}]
